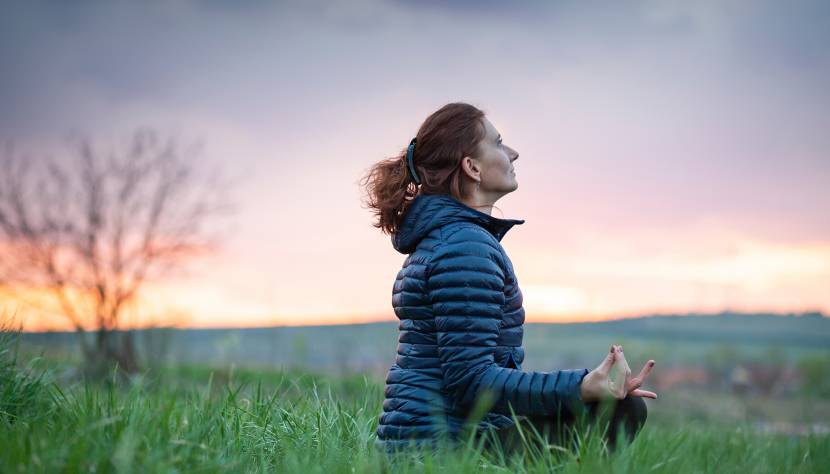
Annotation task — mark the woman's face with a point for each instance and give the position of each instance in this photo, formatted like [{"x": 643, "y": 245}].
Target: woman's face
[{"x": 495, "y": 164}]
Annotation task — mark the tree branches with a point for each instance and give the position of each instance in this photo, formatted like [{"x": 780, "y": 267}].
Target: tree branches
[{"x": 92, "y": 227}]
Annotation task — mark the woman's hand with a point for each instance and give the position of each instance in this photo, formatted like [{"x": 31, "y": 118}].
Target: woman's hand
[{"x": 598, "y": 385}]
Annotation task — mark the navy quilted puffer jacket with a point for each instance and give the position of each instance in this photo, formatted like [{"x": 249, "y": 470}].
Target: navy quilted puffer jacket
[{"x": 461, "y": 317}]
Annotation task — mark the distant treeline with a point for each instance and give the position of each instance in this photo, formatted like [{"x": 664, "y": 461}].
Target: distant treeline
[
  {"x": 805, "y": 329},
  {"x": 687, "y": 339}
]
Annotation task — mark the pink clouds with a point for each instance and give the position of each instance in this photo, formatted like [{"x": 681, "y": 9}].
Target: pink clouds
[{"x": 671, "y": 156}]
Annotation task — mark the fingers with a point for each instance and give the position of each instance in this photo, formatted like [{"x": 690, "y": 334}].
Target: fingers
[
  {"x": 606, "y": 364},
  {"x": 621, "y": 360},
  {"x": 643, "y": 393},
  {"x": 637, "y": 382},
  {"x": 621, "y": 366},
  {"x": 623, "y": 384},
  {"x": 646, "y": 370},
  {"x": 622, "y": 373}
]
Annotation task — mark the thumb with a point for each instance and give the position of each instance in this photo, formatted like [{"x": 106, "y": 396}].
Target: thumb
[
  {"x": 606, "y": 364},
  {"x": 620, "y": 378}
]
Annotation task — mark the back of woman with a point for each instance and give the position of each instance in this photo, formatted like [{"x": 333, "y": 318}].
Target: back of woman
[{"x": 456, "y": 294}]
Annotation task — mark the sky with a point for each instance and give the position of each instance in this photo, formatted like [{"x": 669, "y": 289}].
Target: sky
[{"x": 674, "y": 155}]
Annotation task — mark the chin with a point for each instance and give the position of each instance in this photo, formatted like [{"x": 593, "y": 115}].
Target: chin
[{"x": 510, "y": 190}]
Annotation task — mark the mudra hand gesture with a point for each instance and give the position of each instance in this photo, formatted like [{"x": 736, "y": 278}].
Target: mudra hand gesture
[{"x": 598, "y": 384}]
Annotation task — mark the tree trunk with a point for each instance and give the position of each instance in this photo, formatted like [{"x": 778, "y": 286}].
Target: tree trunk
[{"x": 112, "y": 349}]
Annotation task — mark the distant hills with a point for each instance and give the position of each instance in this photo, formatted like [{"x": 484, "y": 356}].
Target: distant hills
[
  {"x": 811, "y": 328},
  {"x": 672, "y": 339}
]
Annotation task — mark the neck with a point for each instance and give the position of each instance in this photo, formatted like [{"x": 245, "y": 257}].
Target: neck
[{"x": 479, "y": 202}]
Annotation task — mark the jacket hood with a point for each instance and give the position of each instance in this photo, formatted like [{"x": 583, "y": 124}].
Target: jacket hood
[{"x": 428, "y": 211}]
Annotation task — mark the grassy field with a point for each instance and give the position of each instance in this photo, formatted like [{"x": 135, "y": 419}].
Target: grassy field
[{"x": 192, "y": 419}]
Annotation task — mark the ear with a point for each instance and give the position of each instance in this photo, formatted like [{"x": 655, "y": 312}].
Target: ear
[{"x": 470, "y": 166}]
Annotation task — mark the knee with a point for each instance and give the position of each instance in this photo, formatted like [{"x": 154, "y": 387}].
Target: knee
[
  {"x": 633, "y": 409},
  {"x": 629, "y": 414}
]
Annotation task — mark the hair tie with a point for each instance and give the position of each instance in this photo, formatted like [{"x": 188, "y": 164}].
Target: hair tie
[{"x": 410, "y": 152}]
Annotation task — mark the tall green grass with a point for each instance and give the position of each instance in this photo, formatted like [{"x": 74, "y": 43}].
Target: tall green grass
[
  {"x": 202, "y": 420},
  {"x": 23, "y": 389}
]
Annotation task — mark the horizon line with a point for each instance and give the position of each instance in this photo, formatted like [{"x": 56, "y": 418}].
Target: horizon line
[{"x": 390, "y": 321}]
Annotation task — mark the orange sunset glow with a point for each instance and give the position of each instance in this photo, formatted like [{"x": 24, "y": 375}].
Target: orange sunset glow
[
  {"x": 671, "y": 161},
  {"x": 750, "y": 277}
]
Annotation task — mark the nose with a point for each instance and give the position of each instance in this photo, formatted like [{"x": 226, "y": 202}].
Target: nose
[{"x": 515, "y": 155}]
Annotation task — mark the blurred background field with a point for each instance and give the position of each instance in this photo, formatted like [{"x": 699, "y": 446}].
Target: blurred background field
[
  {"x": 769, "y": 370},
  {"x": 256, "y": 400}
]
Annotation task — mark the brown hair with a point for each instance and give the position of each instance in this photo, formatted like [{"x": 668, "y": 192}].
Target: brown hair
[{"x": 449, "y": 134}]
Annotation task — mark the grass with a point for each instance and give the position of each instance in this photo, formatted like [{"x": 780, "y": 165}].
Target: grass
[{"x": 203, "y": 420}]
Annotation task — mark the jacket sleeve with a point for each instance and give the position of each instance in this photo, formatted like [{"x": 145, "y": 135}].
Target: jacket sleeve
[{"x": 465, "y": 283}]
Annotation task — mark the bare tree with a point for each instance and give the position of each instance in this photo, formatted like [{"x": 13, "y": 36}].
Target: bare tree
[{"x": 89, "y": 229}]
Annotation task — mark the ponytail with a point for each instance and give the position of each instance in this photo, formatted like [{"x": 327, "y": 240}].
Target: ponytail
[
  {"x": 390, "y": 188},
  {"x": 449, "y": 134}
]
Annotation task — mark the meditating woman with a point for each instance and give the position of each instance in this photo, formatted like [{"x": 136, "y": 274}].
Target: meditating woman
[{"x": 459, "y": 303}]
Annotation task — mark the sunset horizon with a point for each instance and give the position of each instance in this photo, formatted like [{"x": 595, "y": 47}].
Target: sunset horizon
[
  {"x": 671, "y": 158},
  {"x": 277, "y": 321}
]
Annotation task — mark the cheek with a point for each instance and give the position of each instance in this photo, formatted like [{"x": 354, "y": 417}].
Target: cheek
[
  {"x": 499, "y": 160},
  {"x": 497, "y": 164}
]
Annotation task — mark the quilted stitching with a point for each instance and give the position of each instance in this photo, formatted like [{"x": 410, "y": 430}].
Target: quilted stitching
[{"x": 460, "y": 331}]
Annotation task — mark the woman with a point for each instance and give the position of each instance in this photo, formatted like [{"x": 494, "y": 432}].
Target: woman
[{"x": 459, "y": 303}]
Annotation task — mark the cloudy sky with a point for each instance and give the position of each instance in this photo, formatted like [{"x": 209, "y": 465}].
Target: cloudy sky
[{"x": 674, "y": 155}]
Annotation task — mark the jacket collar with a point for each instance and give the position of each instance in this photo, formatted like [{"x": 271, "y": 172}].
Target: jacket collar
[{"x": 428, "y": 211}]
